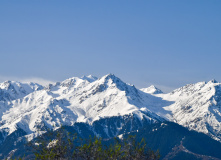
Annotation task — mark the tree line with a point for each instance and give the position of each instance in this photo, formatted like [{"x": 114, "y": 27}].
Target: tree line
[{"x": 64, "y": 146}]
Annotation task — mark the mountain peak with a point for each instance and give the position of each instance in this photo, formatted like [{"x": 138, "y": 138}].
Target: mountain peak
[
  {"x": 110, "y": 75},
  {"x": 213, "y": 81},
  {"x": 152, "y": 90},
  {"x": 5, "y": 84},
  {"x": 11, "y": 90},
  {"x": 114, "y": 80}
]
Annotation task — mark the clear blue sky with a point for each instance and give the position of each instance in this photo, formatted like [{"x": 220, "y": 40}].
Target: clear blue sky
[{"x": 166, "y": 43}]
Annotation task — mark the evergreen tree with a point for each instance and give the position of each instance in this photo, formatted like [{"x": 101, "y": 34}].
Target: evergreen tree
[{"x": 63, "y": 147}]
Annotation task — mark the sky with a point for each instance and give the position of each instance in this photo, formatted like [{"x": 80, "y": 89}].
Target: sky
[{"x": 166, "y": 43}]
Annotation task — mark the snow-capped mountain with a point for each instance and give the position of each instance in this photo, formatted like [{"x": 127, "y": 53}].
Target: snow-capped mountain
[
  {"x": 30, "y": 106},
  {"x": 197, "y": 107},
  {"x": 152, "y": 90},
  {"x": 85, "y": 99},
  {"x": 11, "y": 90},
  {"x": 104, "y": 106}
]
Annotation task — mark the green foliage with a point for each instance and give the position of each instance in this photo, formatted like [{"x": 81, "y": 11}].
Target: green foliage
[
  {"x": 63, "y": 148},
  {"x": 130, "y": 149},
  {"x": 92, "y": 149}
]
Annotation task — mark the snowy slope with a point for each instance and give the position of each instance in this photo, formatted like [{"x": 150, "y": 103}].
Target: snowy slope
[
  {"x": 151, "y": 90},
  {"x": 85, "y": 99},
  {"x": 197, "y": 107},
  {"x": 11, "y": 90}
]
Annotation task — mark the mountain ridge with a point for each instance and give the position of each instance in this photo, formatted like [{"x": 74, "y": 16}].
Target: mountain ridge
[
  {"x": 77, "y": 100},
  {"x": 87, "y": 99},
  {"x": 105, "y": 107},
  {"x": 197, "y": 107}
]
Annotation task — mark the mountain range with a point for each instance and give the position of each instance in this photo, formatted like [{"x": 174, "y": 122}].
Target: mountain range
[{"x": 109, "y": 107}]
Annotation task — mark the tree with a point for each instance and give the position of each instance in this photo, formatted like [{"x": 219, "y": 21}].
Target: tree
[
  {"x": 90, "y": 150},
  {"x": 53, "y": 146},
  {"x": 65, "y": 147},
  {"x": 130, "y": 149}
]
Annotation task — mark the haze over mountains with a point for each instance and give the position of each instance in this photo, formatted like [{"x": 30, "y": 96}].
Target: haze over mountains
[{"x": 33, "y": 108}]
